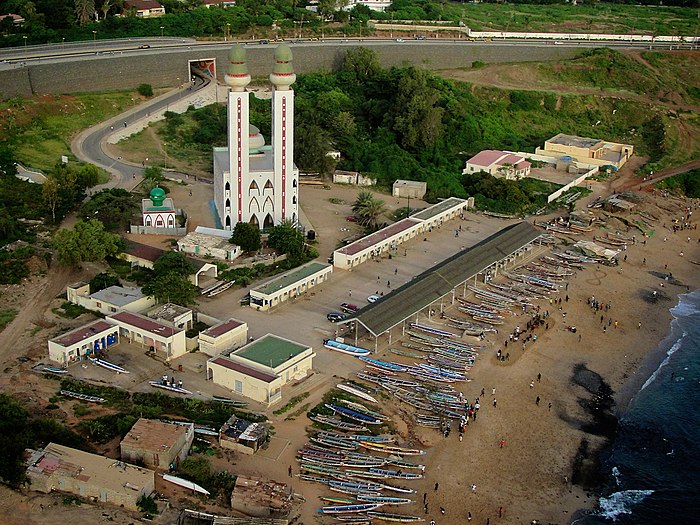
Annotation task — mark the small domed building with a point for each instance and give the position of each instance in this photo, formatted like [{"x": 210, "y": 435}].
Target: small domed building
[
  {"x": 254, "y": 182},
  {"x": 158, "y": 213}
]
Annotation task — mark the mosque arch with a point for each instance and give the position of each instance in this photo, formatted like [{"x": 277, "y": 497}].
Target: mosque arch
[
  {"x": 227, "y": 187},
  {"x": 294, "y": 183},
  {"x": 254, "y": 187},
  {"x": 268, "y": 185},
  {"x": 269, "y": 222},
  {"x": 254, "y": 206},
  {"x": 294, "y": 199},
  {"x": 294, "y": 218},
  {"x": 228, "y": 222},
  {"x": 254, "y": 220},
  {"x": 228, "y": 203},
  {"x": 268, "y": 205}
]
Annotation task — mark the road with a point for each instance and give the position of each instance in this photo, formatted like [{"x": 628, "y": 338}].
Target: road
[{"x": 88, "y": 146}]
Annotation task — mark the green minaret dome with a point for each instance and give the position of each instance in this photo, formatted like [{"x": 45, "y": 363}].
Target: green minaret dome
[
  {"x": 283, "y": 72},
  {"x": 237, "y": 72},
  {"x": 157, "y": 196}
]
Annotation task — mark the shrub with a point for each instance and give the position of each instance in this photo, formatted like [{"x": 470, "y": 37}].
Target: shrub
[{"x": 145, "y": 90}]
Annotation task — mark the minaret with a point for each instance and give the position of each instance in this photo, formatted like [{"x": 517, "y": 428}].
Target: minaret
[
  {"x": 237, "y": 78},
  {"x": 282, "y": 78}
]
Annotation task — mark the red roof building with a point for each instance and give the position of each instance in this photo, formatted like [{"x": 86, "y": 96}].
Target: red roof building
[{"x": 499, "y": 164}]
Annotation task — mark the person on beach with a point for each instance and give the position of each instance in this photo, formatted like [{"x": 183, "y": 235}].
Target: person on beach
[
  {"x": 539, "y": 377},
  {"x": 494, "y": 402},
  {"x": 537, "y": 401},
  {"x": 502, "y": 443},
  {"x": 437, "y": 485}
]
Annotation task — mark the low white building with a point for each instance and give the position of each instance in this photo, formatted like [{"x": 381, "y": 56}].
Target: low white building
[
  {"x": 83, "y": 342},
  {"x": 352, "y": 177},
  {"x": 373, "y": 5},
  {"x": 172, "y": 315},
  {"x": 164, "y": 340},
  {"x": 413, "y": 189},
  {"x": 260, "y": 369},
  {"x": 289, "y": 285},
  {"x": 227, "y": 335},
  {"x": 110, "y": 300},
  {"x": 209, "y": 242},
  {"x": 144, "y": 8},
  {"x": 502, "y": 164}
]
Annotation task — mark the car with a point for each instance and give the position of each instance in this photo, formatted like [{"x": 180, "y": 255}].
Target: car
[
  {"x": 373, "y": 298},
  {"x": 351, "y": 218},
  {"x": 313, "y": 39},
  {"x": 349, "y": 308},
  {"x": 144, "y": 46},
  {"x": 400, "y": 40},
  {"x": 334, "y": 317},
  {"x": 264, "y": 41},
  {"x": 419, "y": 37}
]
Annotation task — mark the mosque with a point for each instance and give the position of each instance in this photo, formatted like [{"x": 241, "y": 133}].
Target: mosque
[{"x": 254, "y": 182}]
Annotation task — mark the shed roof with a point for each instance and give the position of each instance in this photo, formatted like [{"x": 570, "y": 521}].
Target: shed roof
[
  {"x": 288, "y": 278},
  {"x": 244, "y": 369},
  {"x": 437, "y": 209},
  {"x": 378, "y": 237},
  {"x": 77, "y": 335},
  {"x": 439, "y": 280},
  {"x": 223, "y": 328},
  {"x": 118, "y": 295},
  {"x": 144, "y": 323},
  {"x": 153, "y": 436}
]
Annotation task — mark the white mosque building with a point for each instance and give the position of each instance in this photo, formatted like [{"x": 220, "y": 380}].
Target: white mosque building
[{"x": 253, "y": 182}]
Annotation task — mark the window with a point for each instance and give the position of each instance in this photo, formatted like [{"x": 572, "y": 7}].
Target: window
[
  {"x": 238, "y": 386},
  {"x": 228, "y": 186}
]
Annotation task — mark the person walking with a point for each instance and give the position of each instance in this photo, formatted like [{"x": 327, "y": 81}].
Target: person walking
[
  {"x": 494, "y": 402},
  {"x": 289, "y": 471},
  {"x": 502, "y": 443},
  {"x": 437, "y": 485},
  {"x": 537, "y": 401}
]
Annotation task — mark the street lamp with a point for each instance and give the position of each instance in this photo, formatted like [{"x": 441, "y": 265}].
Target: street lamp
[
  {"x": 25, "y": 41},
  {"x": 94, "y": 39},
  {"x": 228, "y": 31},
  {"x": 63, "y": 43},
  {"x": 161, "y": 31}
]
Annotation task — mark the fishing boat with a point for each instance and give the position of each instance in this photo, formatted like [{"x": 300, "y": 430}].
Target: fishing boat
[
  {"x": 337, "y": 423},
  {"x": 353, "y": 487},
  {"x": 391, "y": 449},
  {"x": 352, "y": 509},
  {"x": 110, "y": 366},
  {"x": 170, "y": 388},
  {"x": 228, "y": 401},
  {"x": 398, "y": 518},
  {"x": 345, "y": 348},
  {"x": 204, "y": 431},
  {"x": 186, "y": 484},
  {"x": 398, "y": 474},
  {"x": 336, "y": 443},
  {"x": 337, "y": 501},
  {"x": 54, "y": 370},
  {"x": 393, "y": 367},
  {"x": 354, "y": 414},
  {"x": 356, "y": 390},
  {"x": 363, "y": 409},
  {"x": 406, "y": 353},
  {"x": 488, "y": 320},
  {"x": 310, "y": 477},
  {"x": 384, "y": 500},
  {"x": 433, "y": 331},
  {"x": 83, "y": 397}
]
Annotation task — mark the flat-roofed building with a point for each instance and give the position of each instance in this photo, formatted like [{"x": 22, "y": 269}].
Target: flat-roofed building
[
  {"x": 157, "y": 444},
  {"x": 289, "y": 285},
  {"x": 164, "y": 340},
  {"x": 412, "y": 189},
  {"x": 64, "y": 469},
  {"x": 260, "y": 369},
  {"x": 173, "y": 315},
  {"x": 109, "y": 300},
  {"x": 587, "y": 150},
  {"x": 83, "y": 342},
  {"x": 227, "y": 335}
]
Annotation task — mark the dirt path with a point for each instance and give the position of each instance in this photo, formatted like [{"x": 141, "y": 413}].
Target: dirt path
[{"x": 629, "y": 182}]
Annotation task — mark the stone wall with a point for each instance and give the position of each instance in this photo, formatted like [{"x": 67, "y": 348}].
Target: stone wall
[{"x": 162, "y": 69}]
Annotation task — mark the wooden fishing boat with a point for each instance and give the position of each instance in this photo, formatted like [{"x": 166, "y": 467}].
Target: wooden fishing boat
[
  {"x": 310, "y": 477},
  {"x": 345, "y": 348},
  {"x": 406, "y": 353},
  {"x": 391, "y": 449},
  {"x": 54, "y": 370},
  {"x": 356, "y": 390},
  {"x": 385, "y": 500},
  {"x": 336, "y": 443},
  {"x": 354, "y": 415},
  {"x": 337, "y": 501},
  {"x": 397, "y": 518},
  {"x": 363, "y": 409},
  {"x": 83, "y": 397},
  {"x": 612, "y": 242},
  {"x": 488, "y": 320},
  {"x": 432, "y": 331},
  {"x": 110, "y": 366},
  {"x": 398, "y": 474},
  {"x": 343, "y": 509},
  {"x": 170, "y": 388},
  {"x": 393, "y": 367},
  {"x": 337, "y": 423},
  {"x": 186, "y": 484},
  {"x": 354, "y": 486}
]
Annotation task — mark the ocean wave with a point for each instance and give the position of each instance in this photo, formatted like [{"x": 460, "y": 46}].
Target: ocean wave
[
  {"x": 688, "y": 304},
  {"x": 621, "y": 503},
  {"x": 669, "y": 353},
  {"x": 616, "y": 475}
]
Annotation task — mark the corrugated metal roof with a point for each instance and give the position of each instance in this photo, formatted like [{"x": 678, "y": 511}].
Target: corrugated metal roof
[{"x": 439, "y": 280}]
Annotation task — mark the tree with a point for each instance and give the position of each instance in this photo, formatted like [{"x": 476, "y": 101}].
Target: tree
[
  {"x": 286, "y": 238},
  {"x": 173, "y": 262},
  {"x": 87, "y": 241},
  {"x": 172, "y": 287},
  {"x": 13, "y": 440},
  {"x": 145, "y": 90},
  {"x": 247, "y": 236},
  {"x": 49, "y": 191},
  {"x": 88, "y": 175},
  {"x": 417, "y": 119},
  {"x": 103, "y": 280},
  {"x": 84, "y": 11},
  {"x": 368, "y": 209},
  {"x": 362, "y": 62},
  {"x": 113, "y": 207}
]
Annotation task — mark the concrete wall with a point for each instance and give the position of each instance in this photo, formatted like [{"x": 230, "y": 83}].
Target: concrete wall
[{"x": 162, "y": 69}]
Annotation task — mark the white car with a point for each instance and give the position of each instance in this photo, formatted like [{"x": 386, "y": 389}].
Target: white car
[
  {"x": 400, "y": 40},
  {"x": 373, "y": 298}
]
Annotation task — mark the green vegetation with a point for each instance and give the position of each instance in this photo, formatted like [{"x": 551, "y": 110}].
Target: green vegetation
[
  {"x": 13, "y": 265},
  {"x": 87, "y": 241},
  {"x": 687, "y": 183},
  {"x": 368, "y": 210},
  {"x": 289, "y": 240},
  {"x": 103, "y": 280},
  {"x": 169, "y": 280},
  {"x": 147, "y": 505},
  {"x": 247, "y": 236},
  {"x": 145, "y": 90},
  {"x": 70, "y": 310},
  {"x": 291, "y": 404},
  {"x": 197, "y": 468},
  {"x": 113, "y": 207},
  {"x": 7, "y": 315}
]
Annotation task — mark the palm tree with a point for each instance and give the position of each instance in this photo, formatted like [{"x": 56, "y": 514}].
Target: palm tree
[
  {"x": 368, "y": 209},
  {"x": 84, "y": 11}
]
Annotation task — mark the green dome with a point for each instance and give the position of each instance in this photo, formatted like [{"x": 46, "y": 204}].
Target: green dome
[
  {"x": 157, "y": 196},
  {"x": 283, "y": 53},
  {"x": 283, "y": 72},
  {"x": 237, "y": 61}
]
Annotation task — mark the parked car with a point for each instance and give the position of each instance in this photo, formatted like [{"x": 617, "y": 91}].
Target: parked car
[
  {"x": 264, "y": 41},
  {"x": 373, "y": 298},
  {"x": 144, "y": 46},
  {"x": 419, "y": 37},
  {"x": 351, "y": 218},
  {"x": 349, "y": 308},
  {"x": 400, "y": 40},
  {"x": 334, "y": 317}
]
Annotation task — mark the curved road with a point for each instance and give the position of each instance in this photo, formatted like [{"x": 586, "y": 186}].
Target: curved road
[{"x": 88, "y": 146}]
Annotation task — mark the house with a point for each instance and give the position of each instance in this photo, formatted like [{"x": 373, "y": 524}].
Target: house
[
  {"x": 260, "y": 369},
  {"x": 289, "y": 285},
  {"x": 64, "y": 469},
  {"x": 242, "y": 435},
  {"x": 159, "y": 216},
  {"x": 144, "y": 8},
  {"x": 501, "y": 164},
  {"x": 261, "y": 498},
  {"x": 16, "y": 19},
  {"x": 221, "y": 3},
  {"x": 83, "y": 342},
  {"x": 173, "y": 315},
  {"x": 144, "y": 256},
  {"x": 209, "y": 242},
  {"x": 352, "y": 177},
  {"x": 157, "y": 444},
  {"x": 587, "y": 150},
  {"x": 227, "y": 335},
  {"x": 373, "y": 5},
  {"x": 109, "y": 300},
  {"x": 411, "y": 189},
  {"x": 166, "y": 341}
]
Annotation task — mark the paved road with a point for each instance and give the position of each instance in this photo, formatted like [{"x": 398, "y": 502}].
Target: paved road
[{"x": 88, "y": 146}]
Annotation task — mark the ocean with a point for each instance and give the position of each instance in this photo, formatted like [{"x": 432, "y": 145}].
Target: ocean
[{"x": 653, "y": 463}]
